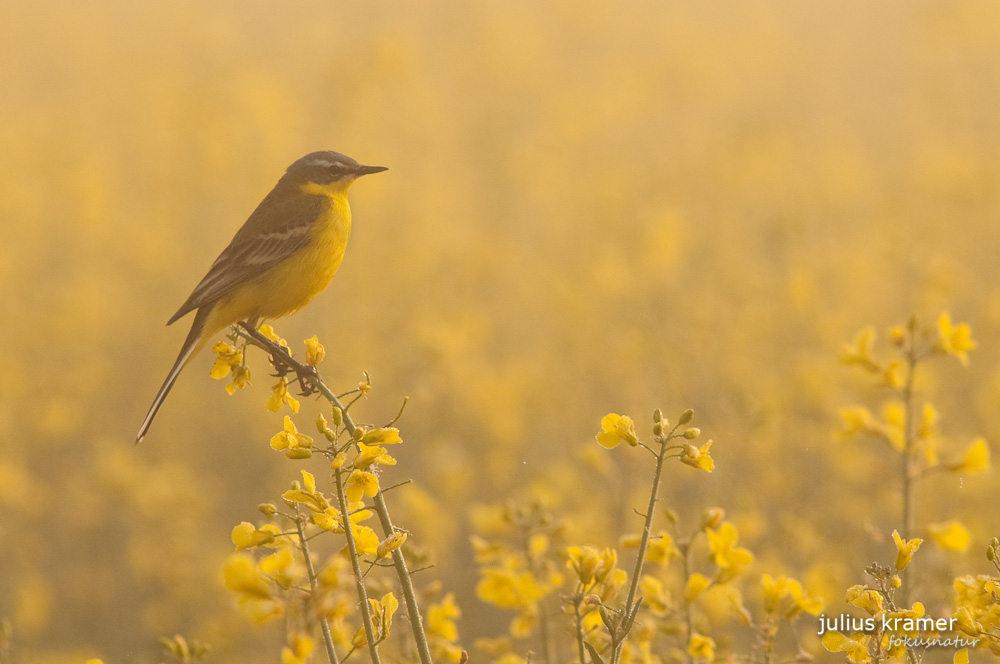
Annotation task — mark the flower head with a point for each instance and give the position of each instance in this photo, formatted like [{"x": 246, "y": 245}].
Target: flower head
[
  {"x": 698, "y": 457},
  {"x": 905, "y": 550},
  {"x": 616, "y": 428},
  {"x": 953, "y": 339}
]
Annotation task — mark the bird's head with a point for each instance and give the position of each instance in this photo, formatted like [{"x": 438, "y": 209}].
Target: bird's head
[{"x": 326, "y": 172}]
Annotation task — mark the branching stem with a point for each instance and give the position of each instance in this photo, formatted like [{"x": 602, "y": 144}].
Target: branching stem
[
  {"x": 331, "y": 653},
  {"x": 308, "y": 374}
]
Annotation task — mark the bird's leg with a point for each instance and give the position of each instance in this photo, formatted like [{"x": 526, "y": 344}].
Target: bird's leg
[{"x": 281, "y": 358}]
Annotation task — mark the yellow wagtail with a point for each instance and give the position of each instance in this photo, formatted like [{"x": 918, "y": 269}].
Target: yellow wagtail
[{"x": 282, "y": 257}]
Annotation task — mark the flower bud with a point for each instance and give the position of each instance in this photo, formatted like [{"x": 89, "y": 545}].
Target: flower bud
[
  {"x": 712, "y": 517},
  {"x": 267, "y": 508},
  {"x": 657, "y": 416},
  {"x": 692, "y": 432},
  {"x": 686, "y": 416}
]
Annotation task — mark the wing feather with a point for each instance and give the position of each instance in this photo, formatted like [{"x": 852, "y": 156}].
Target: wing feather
[{"x": 279, "y": 227}]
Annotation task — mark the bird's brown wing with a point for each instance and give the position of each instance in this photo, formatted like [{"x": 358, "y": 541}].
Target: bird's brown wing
[{"x": 278, "y": 228}]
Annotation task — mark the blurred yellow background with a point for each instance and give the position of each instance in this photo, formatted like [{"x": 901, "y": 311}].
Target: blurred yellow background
[{"x": 590, "y": 207}]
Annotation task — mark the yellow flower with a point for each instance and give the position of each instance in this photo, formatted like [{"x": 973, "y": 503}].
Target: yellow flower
[
  {"x": 391, "y": 543},
  {"x": 280, "y": 395},
  {"x": 955, "y": 339},
  {"x": 894, "y": 374},
  {"x": 283, "y": 567},
  {"x": 382, "y": 436},
  {"x": 440, "y": 618},
  {"x": 382, "y": 611},
  {"x": 859, "y": 351},
  {"x": 369, "y": 454},
  {"x": 855, "y": 646},
  {"x": 502, "y": 587},
  {"x": 242, "y": 576},
  {"x": 538, "y": 545},
  {"x": 976, "y": 459},
  {"x": 307, "y": 495},
  {"x": 730, "y": 558},
  {"x": 951, "y": 536},
  {"x": 712, "y": 517},
  {"x": 856, "y": 420},
  {"x": 927, "y": 425},
  {"x": 360, "y": 484},
  {"x": 611, "y": 584},
  {"x": 298, "y": 651},
  {"x": 695, "y": 586},
  {"x": 615, "y": 429},
  {"x": 894, "y": 617},
  {"x": 961, "y": 656},
  {"x": 331, "y": 519},
  {"x": 966, "y": 623},
  {"x": 801, "y": 601},
  {"x": 510, "y": 658},
  {"x": 893, "y": 430},
  {"x": 295, "y": 445},
  {"x": 269, "y": 332},
  {"x": 905, "y": 550},
  {"x": 314, "y": 351},
  {"x": 240, "y": 379},
  {"x": 365, "y": 539},
  {"x": 654, "y": 595},
  {"x": 698, "y": 457},
  {"x": 590, "y": 564},
  {"x": 227, "y": 357},
  {"x": 661, "y": 548},
  {"x": 701, "y": 647},
  {"x": 865, "y": 598},
  {"x": 246, "y": 536},
  {"x": 774, "y": 591},
  {"x": 508, "y": 587}
]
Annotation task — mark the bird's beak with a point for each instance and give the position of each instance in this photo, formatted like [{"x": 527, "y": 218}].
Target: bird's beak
[{"x": 368, "y": 170}]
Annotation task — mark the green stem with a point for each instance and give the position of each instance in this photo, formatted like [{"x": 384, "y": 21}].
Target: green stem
[
  {"x": 331, "y": 653},
  {"x": 578, "y": 620},
  {"x": 688, "y": 622},
  {"x": 352, "y": 550},
  {"x": 310, "y": 374},
  {"x": 647, "y": 527},
  {"x": 409, "y": 596}
]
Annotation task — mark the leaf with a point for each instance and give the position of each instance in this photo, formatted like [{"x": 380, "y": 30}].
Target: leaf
[{"x": 595, "y": 656}]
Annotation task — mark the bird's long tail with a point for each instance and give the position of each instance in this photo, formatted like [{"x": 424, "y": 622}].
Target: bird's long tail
[{"x": 195, "y": 340}]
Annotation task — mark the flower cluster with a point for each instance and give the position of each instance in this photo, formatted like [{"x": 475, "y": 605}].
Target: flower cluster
[{"x": 276, "y": 572}]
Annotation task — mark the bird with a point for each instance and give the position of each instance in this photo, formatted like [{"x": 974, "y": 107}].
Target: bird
[{"x": 285, "y": 254}]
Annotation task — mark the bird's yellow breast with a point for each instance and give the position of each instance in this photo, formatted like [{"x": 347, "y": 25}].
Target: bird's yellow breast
[{"x": 294, "y": 282}]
